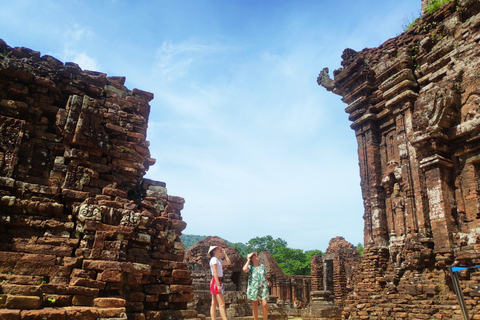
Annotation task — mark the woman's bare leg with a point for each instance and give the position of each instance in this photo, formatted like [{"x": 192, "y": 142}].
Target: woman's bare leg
[
  {"x": 213, "y": 308},
  {"x": 221, "y": 306},
  {"x": 255, "y": 310},
  {"x": 265, "y": 309}
]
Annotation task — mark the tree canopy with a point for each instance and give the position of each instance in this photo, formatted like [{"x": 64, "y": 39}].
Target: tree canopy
[
  {"x": 266, "y": 243},
  {"x": 360, "y": 248},
  {"x": 291, "y": 261},
  {"x": 295, "y": 261}
]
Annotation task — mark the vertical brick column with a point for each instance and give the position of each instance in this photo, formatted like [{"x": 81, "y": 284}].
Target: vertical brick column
[
  {"x": 376, "y": 195},
  {"x": 439, "y": 200}
]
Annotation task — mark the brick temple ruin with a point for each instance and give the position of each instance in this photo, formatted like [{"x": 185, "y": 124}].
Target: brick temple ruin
[
  {"x": 332, "y": 280},
  {"x": 83, "y": 235},
  {"x": 414, "y": 103}
]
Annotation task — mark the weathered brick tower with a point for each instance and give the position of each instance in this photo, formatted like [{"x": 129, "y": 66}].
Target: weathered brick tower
[
  {"x": 82, "y": 234},
  {"x": 414, "y": 103}
]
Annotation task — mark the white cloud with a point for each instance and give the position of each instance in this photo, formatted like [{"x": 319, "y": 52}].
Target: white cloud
[
  {"x": 85, "y": 62},
  {"x": 75, "y": 38},
  {"x": 76, "y": 34},
  {"x": 175, "y": 60}
]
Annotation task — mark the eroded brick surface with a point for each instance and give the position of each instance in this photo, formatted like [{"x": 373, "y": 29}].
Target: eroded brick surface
[
  {"x": 82, "y": 233},
  {"x": 414, "y": 104}
]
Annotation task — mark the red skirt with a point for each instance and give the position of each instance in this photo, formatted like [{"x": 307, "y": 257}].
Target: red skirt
[{"x": 214, "y": 287}]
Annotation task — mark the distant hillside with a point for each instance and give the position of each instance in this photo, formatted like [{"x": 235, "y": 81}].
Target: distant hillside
[{"x": 189, "y": 240}]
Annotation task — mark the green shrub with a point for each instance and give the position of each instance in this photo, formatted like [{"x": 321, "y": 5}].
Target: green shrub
[{"x": 434, "y": 5}]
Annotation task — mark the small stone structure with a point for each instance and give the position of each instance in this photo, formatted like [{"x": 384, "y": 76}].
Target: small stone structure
[
  {"x": 345, "y": 261},
  {"x": 82, "y": 234},
  {"x": 332, "y": 279},
  {"x": 414, "y": 104},
  {"x": 276, "y": 311},
  {"x": 322, "y": 307}
]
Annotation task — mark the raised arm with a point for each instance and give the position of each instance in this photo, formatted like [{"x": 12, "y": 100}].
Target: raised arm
[
  {"x": 245, "y": 267},
  {"x": 227, "y": 262}
]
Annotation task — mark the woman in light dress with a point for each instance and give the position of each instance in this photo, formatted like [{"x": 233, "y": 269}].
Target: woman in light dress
[{"x": 257, "y": 284}]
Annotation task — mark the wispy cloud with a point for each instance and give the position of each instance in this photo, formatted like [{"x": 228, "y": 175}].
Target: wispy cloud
[
  {"x": 84, "y": 61},
  {"x": 75, "y": 38},
  {"x": 175, "y": 60}
]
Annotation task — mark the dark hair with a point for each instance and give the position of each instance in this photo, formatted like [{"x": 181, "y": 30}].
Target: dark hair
[{"x": 212, "y": 253}]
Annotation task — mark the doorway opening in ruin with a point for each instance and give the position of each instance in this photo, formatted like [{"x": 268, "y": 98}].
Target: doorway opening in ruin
[
  {"x": 328, "y": 273},
  {"x": 236, "y": 280}
]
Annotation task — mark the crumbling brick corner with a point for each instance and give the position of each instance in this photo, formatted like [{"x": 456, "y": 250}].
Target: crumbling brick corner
[{"x": 83, "y": 235}]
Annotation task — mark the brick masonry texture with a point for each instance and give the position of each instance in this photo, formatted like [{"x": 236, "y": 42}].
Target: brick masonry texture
[
  {"x": 414, "y": 104},
  {"x": 83, "y": 235}
]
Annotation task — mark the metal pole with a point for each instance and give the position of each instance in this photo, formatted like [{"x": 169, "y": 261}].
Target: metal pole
[{"x": 458, "y": 291}]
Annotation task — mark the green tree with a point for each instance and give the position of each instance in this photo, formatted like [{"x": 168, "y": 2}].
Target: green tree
[
  {"x": 241, "y": 248},
  {"x": 310, "y": 253},
  {"x": 295, "y": 261},
  {"x": 266, "y": 243},
  {"x": 292, "y": 261},
  {"x": 360, "y": 248}
]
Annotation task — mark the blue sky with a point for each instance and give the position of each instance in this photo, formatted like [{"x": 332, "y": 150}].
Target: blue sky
[{"x": 239, "y": 126}]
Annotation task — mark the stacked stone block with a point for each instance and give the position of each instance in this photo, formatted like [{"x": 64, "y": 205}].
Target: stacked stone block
[
  {"x": 346, "y": 259},
  {"x": 83, "y": 235}
]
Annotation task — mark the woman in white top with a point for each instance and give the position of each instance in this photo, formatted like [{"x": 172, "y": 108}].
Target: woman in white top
[{"x": 216, "y": 284}]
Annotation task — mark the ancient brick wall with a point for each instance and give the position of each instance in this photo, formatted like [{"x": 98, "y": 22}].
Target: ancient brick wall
[
  {"x": 332, "y": 280},
  {"x": 424, "y": 4},
  {"x": 415, "y": 108},
  {"x": 334, "y": 271},
  {"x": 345, "y": 258},
  {"x": 82, "y": 234},
  {"x": 317, "y": 272}
]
